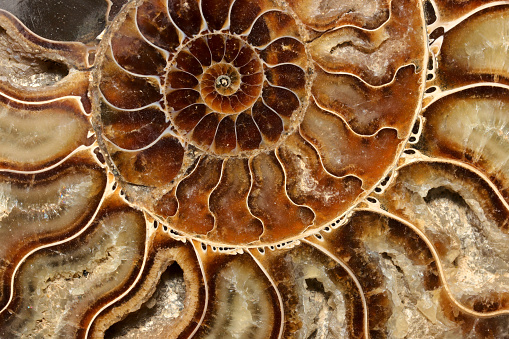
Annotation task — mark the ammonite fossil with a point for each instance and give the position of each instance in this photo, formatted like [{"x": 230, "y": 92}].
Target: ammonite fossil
[{"x": 254, "y": 169}]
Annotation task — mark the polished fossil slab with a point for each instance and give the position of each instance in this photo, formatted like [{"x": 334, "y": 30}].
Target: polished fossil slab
[{"x": 254, "y": 169}]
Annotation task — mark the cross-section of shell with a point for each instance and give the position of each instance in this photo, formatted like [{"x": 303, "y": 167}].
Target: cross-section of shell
[{"x": 254, "y": 169}]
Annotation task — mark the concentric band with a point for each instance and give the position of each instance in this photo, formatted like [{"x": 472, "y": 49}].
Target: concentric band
[{"x": 217, "y": 94}]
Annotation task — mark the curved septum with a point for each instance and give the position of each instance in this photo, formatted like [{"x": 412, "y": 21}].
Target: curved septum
[
  {"x": 229, "y": 76},
  {"x": 245, "y": 125}
]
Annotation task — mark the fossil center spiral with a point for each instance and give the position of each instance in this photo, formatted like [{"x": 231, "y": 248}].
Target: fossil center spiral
[
  {"x": 223, "y": 82},
  {"x": 228, "y": 86},
  {"x": 242, "y": 125},
  {"x": 227, "y": 77}
]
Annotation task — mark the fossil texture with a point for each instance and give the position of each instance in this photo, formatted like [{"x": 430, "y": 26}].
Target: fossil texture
[{"x": 254, "y": 169}]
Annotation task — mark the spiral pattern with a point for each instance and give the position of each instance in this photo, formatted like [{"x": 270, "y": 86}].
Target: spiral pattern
[
  {"x": 220, "y": 98},
  {"x": 237, "y": 123},
  {"x": 127, "y": 228}
]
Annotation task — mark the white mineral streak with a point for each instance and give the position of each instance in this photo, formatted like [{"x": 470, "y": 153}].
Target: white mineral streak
[
  {"x": 322, "y": 308},
  {"x": 244, "y": 309},
  {"x": 85, "y": 272},
  {"x": 22, "y": 68},
  {"x": 331, "y": 8},
  {"x": 157, "y": 313},
  {"x": 480, "y": 124},
  {"x": 6, "y": 203},
  {"x": 309, "y": 185},
  {"x": 324, "y": 312},
  {"x": 477, "y": 259},
  {"x": 415, "y": 311},
  {"x": 481, "y": 46},
  {"x": 35, "y": 137},
  {"x": 69, "y": 193},
  {"x": 481, "y": 264},
  {"x": 324, "y": 13}
]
